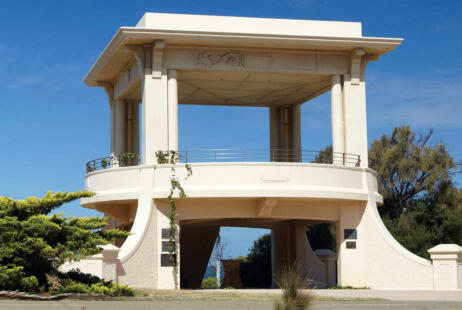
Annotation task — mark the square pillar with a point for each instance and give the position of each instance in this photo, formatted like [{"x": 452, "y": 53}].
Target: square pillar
[
  {"x": 354, "y": 98},
  {"x": 447, "y": 266},
  {"x": 172, "y": 110},
  {"x": 154, "y": 106},
  {"x": 285, "y": 133},
  {"x": 112, "y": 125},
  {"x": 274, "y": 117},
  {"x": 134, "y": 120},
  {"x": 120, "y": 127},
  {"x": 338, "y": 135},
  {"x": 283, "y": 245},
  {"x": 296, "y": 136}
]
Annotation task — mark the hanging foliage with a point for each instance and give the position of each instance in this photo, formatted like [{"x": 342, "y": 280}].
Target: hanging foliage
[{"x": 172, "y": 158}]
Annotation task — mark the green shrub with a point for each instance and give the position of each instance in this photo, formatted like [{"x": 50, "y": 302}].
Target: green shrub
[
  {"x": 111, "y": 289},
  {"x": 34, "y": 242},
  {"x": 71, "y": 286},
  {"x": 78, "y": 276},
  {"x": 30, "y": 283},
  {"x": 11, "y": 277},
  {"x": 78, "y": 282},
  {"x": 210, "y": 282}
]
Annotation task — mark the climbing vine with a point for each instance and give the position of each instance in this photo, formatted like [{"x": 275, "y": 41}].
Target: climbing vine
[{"x": 172, "y": 158}]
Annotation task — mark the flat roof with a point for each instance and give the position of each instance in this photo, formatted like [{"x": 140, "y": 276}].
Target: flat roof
[
  {"x": 248, "y": 25},
  {"x": 233, "y": 32}
]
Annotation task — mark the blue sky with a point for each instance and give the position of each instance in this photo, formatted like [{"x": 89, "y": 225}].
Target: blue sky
[{"x": 51, "y": 123}]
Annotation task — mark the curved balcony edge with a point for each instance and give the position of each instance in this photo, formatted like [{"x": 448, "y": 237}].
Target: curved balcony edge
[{"x": 238, "y": 180}]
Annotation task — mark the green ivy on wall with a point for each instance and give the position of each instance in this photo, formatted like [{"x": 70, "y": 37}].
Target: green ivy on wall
[{"x": 172, "y": 158}]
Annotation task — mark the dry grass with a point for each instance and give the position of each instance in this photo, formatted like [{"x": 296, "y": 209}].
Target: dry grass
[
  {"x": 219, "y": 295},
  {"x": 292, "y": 284},
  {"x": 200, "y": 295}
]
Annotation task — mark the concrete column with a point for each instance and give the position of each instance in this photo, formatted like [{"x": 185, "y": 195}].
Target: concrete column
[
  {"x": 285, "y": 128},
  {"x": 274, "y": 120},
  {"x": 290, "y": 245},
  {"x": 285, "y": 133},
  {"x": 128, "y": 133},
  {"x": 447, "y": 266},
  {"x": 120, "y": 127},
  {"x": 173, "y": 110},
  {"x": 135, "y": 129},
  {"x": 354, "y": 97},
  {"x": 296, "y": 137},
  {"x": 282, "y": 248},
  {"x": 338, "y": 147},
  {"x": 112, "y": 125},
  {"x": 154, "y": 118},
  {"x": 196, "y": 245}
]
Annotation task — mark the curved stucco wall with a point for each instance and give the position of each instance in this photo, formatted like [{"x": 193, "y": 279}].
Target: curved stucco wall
[
  {"x": 389, "y": 265},
  {"x": 297, "y": 180},
  {"x": 148, "y": 182},
  {"x": 116, "y": 184},
  {"x": 347, "y": 195}
]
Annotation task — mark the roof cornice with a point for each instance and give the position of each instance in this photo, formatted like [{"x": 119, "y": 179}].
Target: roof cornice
[{"x": 383, "y": 45}]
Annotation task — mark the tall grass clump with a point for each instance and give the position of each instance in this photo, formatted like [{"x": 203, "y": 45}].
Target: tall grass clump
[{"x": 292, "y": 284}]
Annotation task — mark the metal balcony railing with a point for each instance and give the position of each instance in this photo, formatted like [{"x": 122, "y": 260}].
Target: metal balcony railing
[
  {"x": 273, "y": 155},
  {"x": 235, "y": 155},
  {"x": 124, "y": 160}
]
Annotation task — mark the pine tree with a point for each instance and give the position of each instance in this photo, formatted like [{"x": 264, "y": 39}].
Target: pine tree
[
  {"x": 409, "y": 169},
  {"x": 33, "y": 244}
]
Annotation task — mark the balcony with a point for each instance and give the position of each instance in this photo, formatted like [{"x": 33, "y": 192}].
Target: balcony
[
  {"x": 234, "y": 156},
  {"x": 233, "y": 173}
]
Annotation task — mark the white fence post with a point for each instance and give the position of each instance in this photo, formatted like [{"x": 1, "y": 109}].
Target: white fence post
[
  {"x": 329, "y": 258},
  {"x": 447, "y": 266},
  {"x": 102, "y": 265},
  {"x": 109, "y": 254}
]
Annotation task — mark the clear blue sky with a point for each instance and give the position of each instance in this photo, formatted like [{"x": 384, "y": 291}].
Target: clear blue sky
[{"x": 51, "y": 123}]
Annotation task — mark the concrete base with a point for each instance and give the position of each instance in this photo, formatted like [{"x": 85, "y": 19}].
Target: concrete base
[
  {"x": 290, "y": 246},
  {"x": 278, "y": 196}
]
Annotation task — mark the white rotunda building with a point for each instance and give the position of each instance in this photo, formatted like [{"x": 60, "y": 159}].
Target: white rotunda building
[{"x": 275, "y": 64}]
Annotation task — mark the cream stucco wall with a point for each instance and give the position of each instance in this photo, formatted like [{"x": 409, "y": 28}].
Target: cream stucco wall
[
  {"x": 343, "y": 195},
  {"x": 229, "y": 24},
  {"x": 170, "y": 59}
]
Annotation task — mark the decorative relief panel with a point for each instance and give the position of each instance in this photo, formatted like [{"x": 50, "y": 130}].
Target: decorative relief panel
[
  {"x": 234, "y": 59},
  {"x": 310, "y": 62}
]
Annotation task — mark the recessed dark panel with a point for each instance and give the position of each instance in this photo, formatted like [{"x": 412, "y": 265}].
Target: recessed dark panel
[
  {"x": 351, "y": 245},
  {"x": 350, "y": 234},
  {"x": 165, "y": 260},
  {"x": 165, "y": 233},
  {"x": 165, "y": 245}
]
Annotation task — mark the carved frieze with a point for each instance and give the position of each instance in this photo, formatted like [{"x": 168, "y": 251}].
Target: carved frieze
[
  {"x": 233, "y": 59},
  {"x": 258, "y": 61},
  {"x": 211, "y": 59}
]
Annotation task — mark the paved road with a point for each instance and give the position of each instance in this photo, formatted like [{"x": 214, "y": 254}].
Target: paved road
[
  {"x": 394, "y": 295},
  {"x": 384, "y": 300},
  {"x": 219, "y": 305}
]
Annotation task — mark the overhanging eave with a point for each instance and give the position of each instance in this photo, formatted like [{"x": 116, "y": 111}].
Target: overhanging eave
[{"x": 116, "y": 56}]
